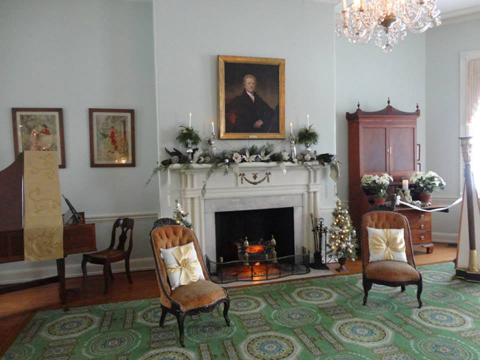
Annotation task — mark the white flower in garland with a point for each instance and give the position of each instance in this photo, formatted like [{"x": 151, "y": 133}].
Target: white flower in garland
[{"x": 237, "y": 158}]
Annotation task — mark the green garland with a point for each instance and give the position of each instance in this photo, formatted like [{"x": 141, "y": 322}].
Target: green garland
[{"x": 226, "y": 159}]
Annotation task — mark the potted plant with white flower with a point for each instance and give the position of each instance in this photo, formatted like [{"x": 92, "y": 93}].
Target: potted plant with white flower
[
  {"x": 376, "y": 186},
  {"x": 425, "y": 184}
]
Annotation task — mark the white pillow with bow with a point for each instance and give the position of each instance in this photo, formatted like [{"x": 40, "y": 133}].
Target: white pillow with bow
[
  {"x": 386, "y": 244},
  {"x": 182, "y": 265}
]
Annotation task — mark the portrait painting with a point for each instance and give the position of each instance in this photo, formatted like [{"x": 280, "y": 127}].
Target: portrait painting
[
  {"x": 112, "y": 137},
  {"x": 251, "y": 97},
  {"x": 39, "y": 129}
]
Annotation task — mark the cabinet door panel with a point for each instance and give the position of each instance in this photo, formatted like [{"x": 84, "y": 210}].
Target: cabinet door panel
[
  {"x": 373, "y": 150},
  {"x": 403, "y": 145}
]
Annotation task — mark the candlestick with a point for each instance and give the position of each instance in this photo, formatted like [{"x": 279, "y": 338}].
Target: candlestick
[
  {"x": 291, "y": 128},
  {"x": 190, "y": 120},
  {"x": 308, "y": 120},
  {"x": 405, "y": 184}
]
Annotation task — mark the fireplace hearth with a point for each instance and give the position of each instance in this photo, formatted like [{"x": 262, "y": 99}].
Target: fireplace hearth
[{"x": 242, "y": 235}]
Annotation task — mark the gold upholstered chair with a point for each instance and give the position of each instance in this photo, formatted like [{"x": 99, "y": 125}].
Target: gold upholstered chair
[
  {"x": 389, "y": 272},
  {"x": 196, "y": 297}
]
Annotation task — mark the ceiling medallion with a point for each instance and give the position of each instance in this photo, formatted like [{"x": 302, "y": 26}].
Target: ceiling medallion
[{"x": 386, "y": 20}]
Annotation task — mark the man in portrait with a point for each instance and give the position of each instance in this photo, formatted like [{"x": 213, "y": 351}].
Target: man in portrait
[{"x": 248, "y": 112}]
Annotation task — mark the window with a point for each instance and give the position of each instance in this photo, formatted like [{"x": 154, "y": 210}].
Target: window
[{"x": 470, "y": 106}]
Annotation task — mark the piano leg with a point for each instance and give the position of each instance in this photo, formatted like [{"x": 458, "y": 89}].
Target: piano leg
[{"x": 61, "y": 280}]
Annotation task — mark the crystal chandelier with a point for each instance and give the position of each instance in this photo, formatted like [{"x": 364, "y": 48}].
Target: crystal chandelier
[{"x": 386, "y": 20}]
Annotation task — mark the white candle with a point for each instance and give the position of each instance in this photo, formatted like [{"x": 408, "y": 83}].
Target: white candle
[
  {"x": 308, "y": 120},
  {"x": 345, "y": 5},
  {"x": 291, "y": 128},
  {"x": 405, "y": 184},
  {"x": 213, "y": 127},
  {"x": 190, "y": 120}
]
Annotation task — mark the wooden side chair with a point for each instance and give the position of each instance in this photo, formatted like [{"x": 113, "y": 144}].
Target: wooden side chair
[
  {"x": 194, "y": 298},
  {"x": 389, "y": 272},
  {"x": 113, "y": 254}
]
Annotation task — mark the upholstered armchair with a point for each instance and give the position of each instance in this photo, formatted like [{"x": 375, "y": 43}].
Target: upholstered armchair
[
  {"x": 196, "y": 297},
  {"x": 389, "y": 272}
]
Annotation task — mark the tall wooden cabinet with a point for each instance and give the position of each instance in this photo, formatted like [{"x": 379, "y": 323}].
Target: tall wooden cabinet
[{"x": 379, "y": 142}]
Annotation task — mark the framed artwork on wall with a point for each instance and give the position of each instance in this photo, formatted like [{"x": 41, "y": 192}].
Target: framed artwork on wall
[
  {"x": 39, "y": 129},
  {"x": 112, "y": 137},
  {"x": 251, "y": 94}
]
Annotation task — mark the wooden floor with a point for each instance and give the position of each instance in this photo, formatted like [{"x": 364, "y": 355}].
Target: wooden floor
[{"x": 16, "y": 309}]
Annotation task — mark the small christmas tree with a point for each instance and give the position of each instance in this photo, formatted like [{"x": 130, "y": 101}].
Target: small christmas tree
[
  {"x": 180, "y": 216},
  {"x": 343, "y": 237}
]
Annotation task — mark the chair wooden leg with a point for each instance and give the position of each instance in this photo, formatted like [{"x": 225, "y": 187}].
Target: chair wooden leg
[
  {"x": 403, "y": 288},
  {"x": 419, "y": 293},
  {"x": 367, "y": 285},
  {"x": 163, "y": 317},
  {"x": 127, "y": 270},
  {"x": 110, "y": 272},
  {"x": 84, "y": 271},
  {"x": 106, "y": 276},
  {"x": 225, "y": 311},
  {"x": 180, "y": 320}
]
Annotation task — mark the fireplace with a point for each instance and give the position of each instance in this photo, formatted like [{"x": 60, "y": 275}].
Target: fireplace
[{"x": 251, "y": 232}]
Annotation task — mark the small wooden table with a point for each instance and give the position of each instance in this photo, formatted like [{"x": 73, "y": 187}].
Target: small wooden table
[{"x": 421, "y": 225}]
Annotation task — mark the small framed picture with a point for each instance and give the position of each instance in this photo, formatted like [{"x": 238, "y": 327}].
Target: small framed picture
[
  {"x": 419, "y": 166},
  {"x": 251, "y": 97},
  {"x": 39, "y": 129},
  {"x": 418, "y": 152},
  {"x": 112, "y": 137}
]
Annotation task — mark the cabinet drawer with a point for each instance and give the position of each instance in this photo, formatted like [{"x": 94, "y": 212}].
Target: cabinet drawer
[
  {"x": 421, "y": 236},
  {"x": 419, "y": 220}
]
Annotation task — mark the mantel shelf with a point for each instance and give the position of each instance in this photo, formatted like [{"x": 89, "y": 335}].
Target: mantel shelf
[{"x": 246, "y": 165}]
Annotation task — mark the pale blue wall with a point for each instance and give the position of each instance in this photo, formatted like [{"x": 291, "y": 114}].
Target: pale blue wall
[
  {"x": 444, "y": 45},
  {"x": 75, "y": 55},
  {"x": 365, "y": 74},
  {"x": 190, "y": 34}
]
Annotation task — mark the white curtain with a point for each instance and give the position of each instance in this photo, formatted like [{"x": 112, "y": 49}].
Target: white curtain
[{"x": 473, "y": 90}]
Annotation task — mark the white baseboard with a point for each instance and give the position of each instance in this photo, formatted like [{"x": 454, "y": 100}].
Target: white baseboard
[
  {"x": 72, "y": 271},
  {"x": 447, "y": 238}
]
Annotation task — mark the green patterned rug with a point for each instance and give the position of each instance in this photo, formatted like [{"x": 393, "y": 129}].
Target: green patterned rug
[{"x": 309, "y": 319}]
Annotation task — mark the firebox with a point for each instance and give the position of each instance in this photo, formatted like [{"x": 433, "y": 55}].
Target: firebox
[{"x": 258, "y": 227}]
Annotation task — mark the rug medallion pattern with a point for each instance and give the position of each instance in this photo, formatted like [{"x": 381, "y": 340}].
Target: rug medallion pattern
[{"x": 319, "y": 318}]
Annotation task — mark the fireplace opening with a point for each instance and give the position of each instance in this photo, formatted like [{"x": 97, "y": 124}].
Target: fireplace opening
[{"x": 257, "y": 227}]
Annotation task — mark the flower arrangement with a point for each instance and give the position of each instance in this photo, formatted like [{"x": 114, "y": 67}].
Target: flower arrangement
[
  {"x": 376, "y": 185},
  {"x": 186, "y": 134},
  {"x": 180, "y": 216},
  {"x": 343, "y": 237},
  {"x": 426, "y": 183},
  {"x": 307, "y": 136}
]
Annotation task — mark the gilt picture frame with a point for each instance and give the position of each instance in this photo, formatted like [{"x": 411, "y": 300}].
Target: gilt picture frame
[
  {"x": 39, "y": 129},
  {"x": 112, "y": 137},
  {"x": 251, "y": 96}
]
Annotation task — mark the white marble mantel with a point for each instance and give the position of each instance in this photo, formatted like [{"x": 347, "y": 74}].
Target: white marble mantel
[{"x": 250, "y": 186}]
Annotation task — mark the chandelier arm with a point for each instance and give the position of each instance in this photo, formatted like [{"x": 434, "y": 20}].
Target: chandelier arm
[{"x": 404, "y": 16}]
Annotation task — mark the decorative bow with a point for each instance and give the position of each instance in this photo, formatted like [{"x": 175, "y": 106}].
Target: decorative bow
[
  {"x": 186, "y": 265},
  {"x": 387, "y": 242}
]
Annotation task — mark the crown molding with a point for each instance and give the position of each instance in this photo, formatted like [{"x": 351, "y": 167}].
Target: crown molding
[{"x": 461, "y": 15}]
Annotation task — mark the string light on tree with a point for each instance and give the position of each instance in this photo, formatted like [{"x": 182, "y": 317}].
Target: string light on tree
[
  {"x": 342, "y": 243},
  {"x": 180, "y": 216}
]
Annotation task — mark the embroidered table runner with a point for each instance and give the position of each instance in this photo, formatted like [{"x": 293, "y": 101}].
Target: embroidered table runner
[{"x": 43, "y": 228}]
